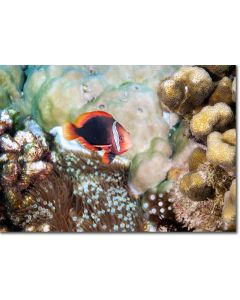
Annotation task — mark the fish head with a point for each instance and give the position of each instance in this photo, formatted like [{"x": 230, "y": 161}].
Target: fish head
[{"x": 122, "y": 140}]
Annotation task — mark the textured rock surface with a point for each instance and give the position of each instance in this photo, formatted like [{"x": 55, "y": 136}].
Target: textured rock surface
[
  {"x": 210, "y": 118},
  {"x": 185, "y": 90}
]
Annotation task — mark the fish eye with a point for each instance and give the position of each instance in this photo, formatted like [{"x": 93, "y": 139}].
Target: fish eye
[{"x": 120, "y": 138}]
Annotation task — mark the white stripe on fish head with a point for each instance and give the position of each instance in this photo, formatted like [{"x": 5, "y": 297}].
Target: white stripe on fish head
[{"x": 116, "y": 135}]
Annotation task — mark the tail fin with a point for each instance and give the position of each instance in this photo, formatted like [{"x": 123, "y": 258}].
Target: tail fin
[{"x": 69, "y": 131}]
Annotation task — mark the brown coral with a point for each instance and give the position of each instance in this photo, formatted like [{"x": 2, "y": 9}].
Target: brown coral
[
  {"x": 220, "y": 151},
  {"x": 23, "y": 159},
  {"x": 230, "y": 136},
  {"x": 218, "y": 71},
  {"x": 211, "y": 118},
  {"x": 185, "y": 90},
  {"x": 234, "y": 89},
  {"x": 196, "y": 186},
  {"x": 205, "y": 215},
  {"x": 197, "y": 158},
  {"x": 223, "y": 92},
  {"x": 229, "y": 208}
]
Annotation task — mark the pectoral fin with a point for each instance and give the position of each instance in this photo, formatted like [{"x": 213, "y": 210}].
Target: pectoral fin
[
  {"x": 86, "y": 144},
  {"x": 108, "y": 157},
  {"x": 106, "y": 148}
]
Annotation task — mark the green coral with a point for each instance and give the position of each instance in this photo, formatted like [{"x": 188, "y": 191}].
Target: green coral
[
  {"x": 135, "y": 106},
  {"x": 11, "y": 82},
  {"x": 55, "y": 94}
]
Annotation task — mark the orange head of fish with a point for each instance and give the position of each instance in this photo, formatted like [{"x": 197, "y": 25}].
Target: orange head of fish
[{"x": 122, "y": 140}]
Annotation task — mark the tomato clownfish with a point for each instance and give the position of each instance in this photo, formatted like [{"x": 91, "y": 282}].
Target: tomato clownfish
[{"x": 97, "y": 131}]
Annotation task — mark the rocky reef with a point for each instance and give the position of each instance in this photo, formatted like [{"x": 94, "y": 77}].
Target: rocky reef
[{"x": 179, "y": 175}]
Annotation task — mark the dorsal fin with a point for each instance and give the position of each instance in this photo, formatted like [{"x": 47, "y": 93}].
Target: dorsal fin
[{"x": 83, "y": 118}]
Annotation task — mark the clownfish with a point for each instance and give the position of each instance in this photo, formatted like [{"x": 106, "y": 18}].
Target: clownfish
[{"x": 98, "y": 130}]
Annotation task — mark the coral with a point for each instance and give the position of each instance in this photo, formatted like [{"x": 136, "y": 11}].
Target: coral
[
  {"x": 136, "y": 107},
  {"x": 210, "y": 118},
  {"x": 217, "y": 71},
  {"x": 2, "y": 212},
  {"x": 234, "y": 89},
  {"x": 197, "y": 158},
  {"x": 149, "y": 168},
  {"x": 220, "y": 150},
  {"x": 204, "y": 215},
  {"x": 223, "y": 92},
  {"x": 230, "y": 137},
  {"x": 23, "y": 160},
  {"x": 185, "y": 90},
  {"x": 182, "y": 146},
  {"x": 6, "y": 121},
  {"x": 158, "y": 209},
  {"x": 180, "y": 174},
  {"x": 196, "y": 186},
  {"x": 11, "y": 81},
  {"x": 55, "y": 94},
  {"x": 200, "y": 185},
  {"x": 229, "y": 208}
]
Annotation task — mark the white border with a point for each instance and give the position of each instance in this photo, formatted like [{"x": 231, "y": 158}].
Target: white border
[{"x": 143, "y": 266}]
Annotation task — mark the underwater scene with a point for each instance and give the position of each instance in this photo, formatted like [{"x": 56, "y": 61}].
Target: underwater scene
[{"x": 118, "y": 149}]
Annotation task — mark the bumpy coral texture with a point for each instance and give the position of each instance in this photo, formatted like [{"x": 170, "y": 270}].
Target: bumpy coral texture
[
  {"x": 229, "y": 208},
  {"x": 185, "y": 90},
  {"x": 55, "y": 94},
  {"x": 217, "y": 71},
  {"x": 24, "y": 160},
  {"x": 211, "y": 118},
  {"x": 223, "y": 92},
  {"x": 220, "y": 150},
  {"x": 206, "y": 214}
]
